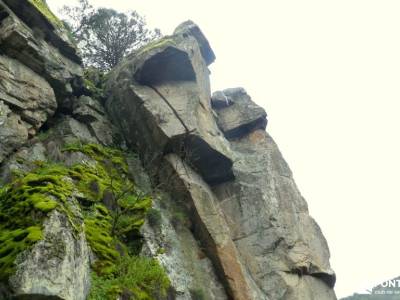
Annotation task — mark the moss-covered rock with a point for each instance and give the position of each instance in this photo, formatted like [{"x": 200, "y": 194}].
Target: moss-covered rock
[
  {"x": 110, "y": 211},
  {"x": 24, "y": 204},
  {"x": 137, "y": 277}
]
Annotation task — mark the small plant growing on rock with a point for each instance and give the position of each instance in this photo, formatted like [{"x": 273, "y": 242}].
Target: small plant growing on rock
[{"x": 136, "y": 277}]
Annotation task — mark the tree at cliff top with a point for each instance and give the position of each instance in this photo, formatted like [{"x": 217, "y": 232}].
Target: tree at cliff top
[{"x": 104, "y": 35}]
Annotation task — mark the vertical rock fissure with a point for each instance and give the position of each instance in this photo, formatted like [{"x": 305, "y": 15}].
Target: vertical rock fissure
[{"x": 171, "y": 107}]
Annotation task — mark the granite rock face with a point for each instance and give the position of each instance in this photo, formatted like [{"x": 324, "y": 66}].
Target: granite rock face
[
  {"x": 29, "y": 36},
  {"x": 268, "y": 217},
  {"x": 237, "y": 113},
  {"x": 210, "y": 226},
  {"x": 31, "y": 99},
  {"x": 242, "y": 201},
  {"x": 270, "y": 224},
  {"x": 39, "y": 71},
  {"x": 57, "y": 266},
  {"x": 170, "y": 101},
  {"x": 227, "y": 222}
]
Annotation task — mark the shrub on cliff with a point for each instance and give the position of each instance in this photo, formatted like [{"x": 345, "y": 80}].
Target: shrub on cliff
[{"x": 104, "y": 35}]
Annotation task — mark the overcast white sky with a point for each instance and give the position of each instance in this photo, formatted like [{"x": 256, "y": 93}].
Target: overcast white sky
[{"x": 328, "y": 74}]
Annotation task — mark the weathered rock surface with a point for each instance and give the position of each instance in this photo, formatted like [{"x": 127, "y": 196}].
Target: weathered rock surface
[
  {"x": 57, "y": 266},
  {"x": 270, "y": 224},
  {"x": 189, "y": 28},
  {"x": 170, "y": 99},
  {"x": 91, "y": 112},
  {"x": 28, "y": 93},
  {"x": 38, "y": 65},
  {"x": 26, "y": 102},
  {"x": 231, "y": 223},
  {"x": 210, "y": 226},
  {"x": 13, "y": 131},
  {"x": 28, "y": 45},
  {"x": 268, "y": 217},
  {"x": 254, "y": 225},
  {"x": 237, "y": 113},
  {"x": 174, "y": 246},
  {"x": 33, "y": 40}
]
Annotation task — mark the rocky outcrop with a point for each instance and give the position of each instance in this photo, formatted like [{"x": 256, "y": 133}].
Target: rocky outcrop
[
  {"x": 26, "y": 101},
  {"x": 169, "y": 101},
  {"x": 224, "y": 216},
  {"x": 209, "y": 226},
  {"x": 270, "y": 224},
  {"x": 36, "y": 38},
  {"x": 268, "y": 217},
  {"x": 244, "y": 206},
  {"x": 38, "y": 65},
  {"x": 237, "y": 113}
]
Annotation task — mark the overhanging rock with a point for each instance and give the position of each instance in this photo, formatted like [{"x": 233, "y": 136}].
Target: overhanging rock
[
  {"x": 165, "y": 85},
  {"x": 237, "y": 113}
]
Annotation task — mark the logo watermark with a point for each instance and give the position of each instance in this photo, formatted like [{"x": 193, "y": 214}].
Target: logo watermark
[{"x": 389, "y": 287}]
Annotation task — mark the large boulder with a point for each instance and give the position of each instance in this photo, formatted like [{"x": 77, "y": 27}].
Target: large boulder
[
  {"x": 237, "y": 113},
  {"x": 165, "y": 86}
]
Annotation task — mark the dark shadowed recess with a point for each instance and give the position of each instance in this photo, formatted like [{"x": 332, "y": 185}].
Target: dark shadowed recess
[{"x": 171, "y": 64}]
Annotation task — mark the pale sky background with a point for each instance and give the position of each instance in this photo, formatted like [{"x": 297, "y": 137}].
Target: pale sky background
[{"x": 328, "y": 74}]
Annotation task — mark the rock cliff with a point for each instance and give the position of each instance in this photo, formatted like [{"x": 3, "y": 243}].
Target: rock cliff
[{"x": 152, "y": 188}]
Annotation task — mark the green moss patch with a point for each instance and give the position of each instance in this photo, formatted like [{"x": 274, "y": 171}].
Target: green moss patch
[
  {"x": 94, "y": 80},
  {"x": 112, "y": 227},
  {"x": 13, "y": 242},
  {"x": 136, "y": 277},
  {"x": 23, "y": 206},
  {"x": 111, "y": 212}
]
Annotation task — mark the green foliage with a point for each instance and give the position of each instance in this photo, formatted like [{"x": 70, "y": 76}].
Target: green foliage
[
  {"x": 94, "y": 82},
  {"x": 105, "y": 226},
  {"x": 104, "y": 35},
  {"x": 42, "y": 6},
  {"x": 161, "y": 250},
  {"x": 109, "y": 157},
  {"x": 44, "y": 135},
  {"x": 136, "y": 276}
]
